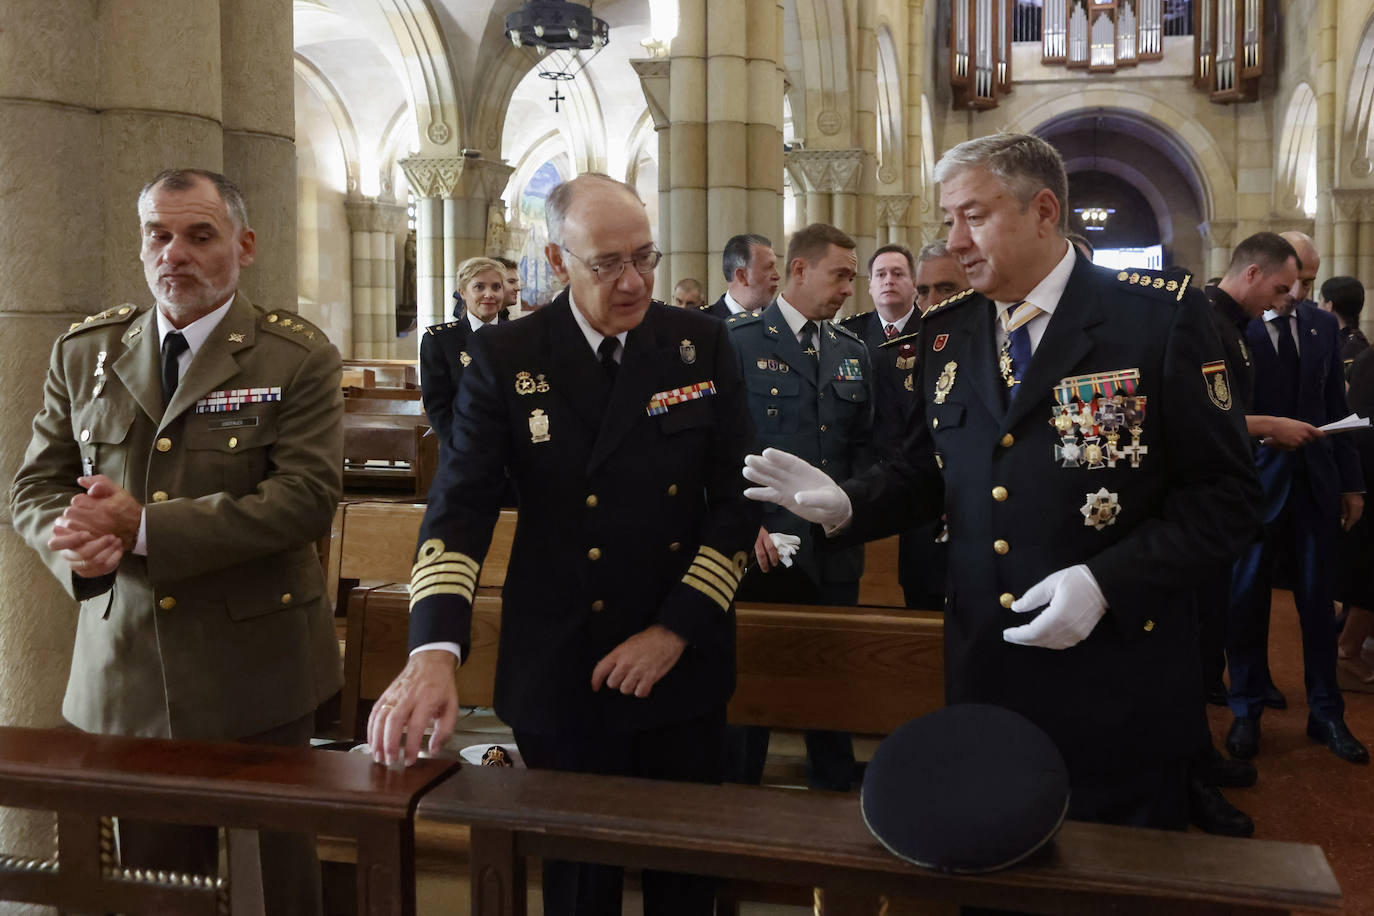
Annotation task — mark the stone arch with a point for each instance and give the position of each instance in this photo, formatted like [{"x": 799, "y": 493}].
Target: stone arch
[
  {"x": 432, "y": 87},
  {"x": 1295, "y": 170},
  {"x": 1359, "y": 104},
  {"x": 890, "y": 110},
  {"x": 643, "y": 140},
  {"x": 1140, "y": 181},
  {"x": 816, "y": 52},
  {"x": 320, "y": 85}
]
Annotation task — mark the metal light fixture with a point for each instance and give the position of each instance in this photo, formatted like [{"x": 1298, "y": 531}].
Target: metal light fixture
[
  {"x": 557, "y": 33},
  {"x": 1094, "y": 218}
]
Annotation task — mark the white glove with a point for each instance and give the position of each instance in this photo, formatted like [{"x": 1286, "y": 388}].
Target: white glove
[
  {"x": 808, "y": 492},
  {"x": 1075, "y": 606},
  {"x": 785, "y": 545}
]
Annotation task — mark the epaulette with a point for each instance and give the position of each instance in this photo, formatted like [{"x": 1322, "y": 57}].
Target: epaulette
[
  {"x": 113, "y": 315},
  {"x": 839, "y": 326},
  {"x": 292, "y": 327},
  {"x": 744, "y": 318},
  {"x": 436, "y": 328},
  {"x": 1168, "y": 287},
  {"x": 851, "y": 321},
  {"x": 705, "y": 306},
  {"x": 908, "y": 337},
  {"x": 946, "y": 303}
]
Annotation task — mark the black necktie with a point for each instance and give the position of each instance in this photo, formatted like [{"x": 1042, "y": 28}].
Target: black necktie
[
  {"x": 808, "y": 339},
  {"x": 1288, "y": 365},
  {"x": 607, "y": 353},
  {"x": 173, "y": 345}
]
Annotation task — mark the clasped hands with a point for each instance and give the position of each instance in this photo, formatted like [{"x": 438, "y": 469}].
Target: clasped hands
[
  {"x": 99, "y": 526},
  {"x": 1072, "y": 600}
]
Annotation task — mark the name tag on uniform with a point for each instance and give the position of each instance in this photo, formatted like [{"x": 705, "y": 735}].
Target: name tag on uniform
[{"x": 233, "y": 399}]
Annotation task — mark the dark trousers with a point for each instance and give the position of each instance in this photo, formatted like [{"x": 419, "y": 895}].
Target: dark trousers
[
  {"x": 1213, "y": 604},
  {"x": 687, "y": 751},
  {"x": 290, "y": 866},
  {"x": 1304, "y": 531},
  {"x": 829, "y": 755}
]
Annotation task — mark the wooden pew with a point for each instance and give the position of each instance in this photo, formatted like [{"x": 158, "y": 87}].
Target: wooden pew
[
  {"x": 383, "y": 437},
  {"x": 387, "y": 373},
  {"x": 84, "y": 778},
  {"x": 807, "y": 839}
]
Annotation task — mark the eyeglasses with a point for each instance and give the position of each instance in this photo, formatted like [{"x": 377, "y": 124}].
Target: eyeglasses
[{"x": 612, "y": 270}]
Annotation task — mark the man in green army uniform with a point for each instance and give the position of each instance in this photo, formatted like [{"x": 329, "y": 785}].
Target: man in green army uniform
[{"x": 184, "y": 462}]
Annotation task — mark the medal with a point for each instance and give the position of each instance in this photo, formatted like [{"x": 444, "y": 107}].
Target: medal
[
  {"x": 945, "y": 382},
  {"x": 465, "y": 359},
  {"x": 524, "y": 384},
  {"x": 688, "y": 351},
  {"x": 1004, "y": 364},
  {"x": 1101, "y": 509},
  {"x": 539, "y": 426}
]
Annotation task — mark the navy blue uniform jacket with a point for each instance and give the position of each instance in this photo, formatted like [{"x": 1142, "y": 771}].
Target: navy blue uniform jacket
[
  {"x": 443, "y": 356},
  {"x": 631, "y": 513}
]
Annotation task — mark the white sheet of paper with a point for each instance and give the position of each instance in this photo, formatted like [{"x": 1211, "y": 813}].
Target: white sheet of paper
[{"x": 1354, "y": 421}]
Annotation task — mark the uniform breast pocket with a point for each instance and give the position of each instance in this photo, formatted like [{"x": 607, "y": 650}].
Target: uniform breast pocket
[
  {"x": 852, "y": 394},
  {"x": 697, "y": 414},
  {"x": 773, "y": 401},
  {"x": 230, "y": 454},
  {"x": 102, "y": 431},
  {"x": 946, "y": 417}
]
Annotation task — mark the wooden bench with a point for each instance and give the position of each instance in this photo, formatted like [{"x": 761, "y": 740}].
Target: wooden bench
[
  {"x": 84, "y": 778},
  {"x": 808, "y": 839},
  {"x": 386, "y": 373},
  {"x": 384, "y": 439}
]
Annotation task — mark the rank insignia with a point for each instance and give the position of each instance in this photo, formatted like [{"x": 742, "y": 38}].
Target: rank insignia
[
  {"x": 539, "y": 426},
  {"x": 524, "y": 384},
  {"x": 464, "y": 358},
  {"x": 688, "y": 351},
  {"x": 135, "y": 331},
  {"x": 1214, "y": 375},
  {"x": 496, "y": 756},
  {"x": 939, "y": 343},
  {"x": 100, "y": 364},
  {"x": 236, "y": 338},
  {"x": 945, "y": 383},
  {"x": 1101, "y": 509}
]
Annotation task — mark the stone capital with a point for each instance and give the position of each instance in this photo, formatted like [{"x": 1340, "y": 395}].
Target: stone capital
[
  {"x": 653, "y": 80},
  {"x": 892, "y": 208},
  {"x": 456, "y": 176},
  {"x": 1218, "y": 232},
  {"x": 832, "y": 170},
  {"x": 1352, "y": 203},
  {"x": 367, "y": 214}
]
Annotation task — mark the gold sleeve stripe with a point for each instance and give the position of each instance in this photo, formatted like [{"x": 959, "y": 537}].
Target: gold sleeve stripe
[
  {"x": 726, "y": 585},
  {"x": 718, "y": 568},
  {"x": 432, "y": 552},
  {"x": 430, "y": 591},
  {"x": 707, "y": 589},
  {"x": 710, "y": 553},
  {"x": 443, "y": 569},
  {"x": 425, "y": 580}
]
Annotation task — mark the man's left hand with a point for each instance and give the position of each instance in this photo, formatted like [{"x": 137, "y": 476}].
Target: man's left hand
[
  {"x": 1352, "y": 507},
  {"x": 105, "y": 508},
  {"x": 89, "y": 556},
  {"x": 1075, "y": 605},
  {"x": 637, "y": 664}
]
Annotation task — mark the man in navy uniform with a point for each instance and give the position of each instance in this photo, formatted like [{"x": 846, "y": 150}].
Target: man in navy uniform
[
  {"x": 621, "y": 421},
  {"x": 751, "y": 270},
  {"x": 1076, "y": 427},
  {"x": 810, "y": 393}
]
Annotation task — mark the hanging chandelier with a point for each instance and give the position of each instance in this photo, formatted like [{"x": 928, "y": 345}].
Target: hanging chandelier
[
  {"x": 556, "y": 33},
  {"x": 1094, "y": 218}
]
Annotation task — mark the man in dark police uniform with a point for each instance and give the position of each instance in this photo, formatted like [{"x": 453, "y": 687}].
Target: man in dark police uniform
[
  {"x": 1070, "y": 422},
  {"x": 623, "y": 424}
]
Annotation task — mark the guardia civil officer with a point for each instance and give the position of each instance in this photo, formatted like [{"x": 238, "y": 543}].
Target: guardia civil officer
[
  {"x": 1069, "y": 423},
  {"x": 623, "y": 424}
]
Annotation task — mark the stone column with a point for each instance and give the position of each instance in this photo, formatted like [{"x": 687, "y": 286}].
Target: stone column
[
  {"x": 688, "y": 158},
  {"x": 374, "y": 225},
  {"x": 864, "y": 219},
  {"x": 892, "y": 221},
  {"x": 1346, "y": 207},
  {"x": 654, "y": 83},
  {"x": 1324, "y": 67},
  {"x": 914, "y": 88},
  {"x": 764, "y": 79},
  {"x": 727, "y": 111}
]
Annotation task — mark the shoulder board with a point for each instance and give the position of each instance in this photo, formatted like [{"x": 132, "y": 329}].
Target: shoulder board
[
  {"x": 952, "y": 300},
  {"x": 115, "y": 315},
  {"x": 908, "y": 337},
  {"x": 744, "y": 318},
  {"x": 436, "y": 328},
  {"x": 705, "y": 306},
  {"x": 839, "y": 326},
  {"x": 853, "y": 321},
  {"x": 1172, "y": 285},
  {"x": 293, "y": 327}
]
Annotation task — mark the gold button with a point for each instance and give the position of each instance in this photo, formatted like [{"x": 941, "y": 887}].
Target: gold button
[
  {"x": 125, "y": 310},
  {"x": 824, "y": 462},
  {"x": 823, "y": 427},
  {"x": 271, "y": 319},
  {"x": 1007, "y": 599},
  {"x": 167, "y": 603},
  {"x": 999, "y": 494},
  {"x": 598, "y": 606},
  {"x": 591, "y": 500},
  {"x": 85, "y": 435},
  {"x": 1007, "y": 440},
  {"x": 159, "y": 496},
  {"x": 233, "y": 441},
  {"x": 935, "y": 423},
  {"x": 594, "y": 554},
  {"x": 675, "y": 546},
  {"x": 1149, "y": 625},
  {"x": 286, "y": 598},
  {"x": 772, "y": 391},
  {"x": 1000, "y": 546},
  {"x": 940, "y": 462},
  {"x": 164, "y": 444},
  {"x": 672, "y": 489}
]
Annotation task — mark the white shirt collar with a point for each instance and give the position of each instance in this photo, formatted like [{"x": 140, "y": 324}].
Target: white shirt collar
[
  {"x": 1047, "y": 293},
  {"x": 197, "y": 332},
  {"x": 476, "y": 323},
  {"x": 795, "y": 319},
  {"x": 594, "y": 337},
  {"x": 901, "y": 323},
  {"x": 734, "y": 307}
]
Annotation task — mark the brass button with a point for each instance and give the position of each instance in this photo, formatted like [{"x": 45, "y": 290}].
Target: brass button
[
  {"x": 675, "y": 546},
  {"x": 271, "y": 319},
  {"x": 935, "y": 423},
  {"x": 1006, "y": 599},
  {"x": 167, "y": 603},
  {"x": 823, "y": 427},
  {"x": 591, "y": 500},
  {"x": 1149, "y": 625},
  {"x": 598, "y": 606},
  {"x": 286, "y": 598},
  {"x": 124, "y": 311},
  {"x": 1000, "y": 546},
  {"x": 1008, "y": 440},
  {"x": 164, "y": 444},
  {"x": 940, "y": 461},
  {"x": 772, "y": 391},
  {"x": 672, "y": 489},
  {"x": 594, "y": 554},
  {"x": 999, "y": 494},
  {"x": 159, "y": 496},
  {"x": 824, "y": 462},
  {"x": 233, "y": 441},
  {"x": 85, "y": 435}
]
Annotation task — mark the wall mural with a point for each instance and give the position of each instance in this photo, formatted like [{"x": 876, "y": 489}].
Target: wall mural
[{"x": 538, "y": 284}]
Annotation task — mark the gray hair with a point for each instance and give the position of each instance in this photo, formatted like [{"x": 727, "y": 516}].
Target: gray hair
[
  {"x": 185, "y": 180},
  {"x": 560, "y": 199},
  {"x": 1023, "y": 163},
  {"x": 932, "y": 250},
  {"x": 738, "y": 253}
]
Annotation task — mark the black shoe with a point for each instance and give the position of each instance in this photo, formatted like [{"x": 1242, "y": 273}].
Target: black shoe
[
  {"x": 1242, "y": 741},
  {"x": 1216, "y": 770},
  {"x": 1216, "y": 695},
  {"x": 1335, "y": 735},
  {"x": 1274, "y": 698},
  {"x": 1209, "y": 810}
]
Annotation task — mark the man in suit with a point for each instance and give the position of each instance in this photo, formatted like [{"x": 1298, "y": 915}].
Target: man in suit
[
  {"x": 938, "y": 275},
  {"x": 751, "y": 270},
  {"x": 185, "y": 461},
  {"x": 810, "y": 392},
  {"x": 1309, "y": 494},
  {"x": 687, "y": 294},
  {"x": 620, "y": 420},
  {"x": 1064, "y": 424}
]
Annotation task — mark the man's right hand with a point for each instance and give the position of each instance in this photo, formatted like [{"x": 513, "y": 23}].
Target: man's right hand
[
  {"x": 765, "y": 551},
  {"x": 804, "y": 490},
  {"x": 1284, "y": 433},
  {"x": 422, "y": 695}
]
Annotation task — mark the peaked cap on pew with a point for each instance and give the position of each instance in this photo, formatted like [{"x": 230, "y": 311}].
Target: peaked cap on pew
[{"x": 969, "y": 788}]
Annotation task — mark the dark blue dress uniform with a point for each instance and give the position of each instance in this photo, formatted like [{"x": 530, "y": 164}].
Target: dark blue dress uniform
[
  {"x": 1035, "y": 487},
  {"x": 443, "y": 357}
]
